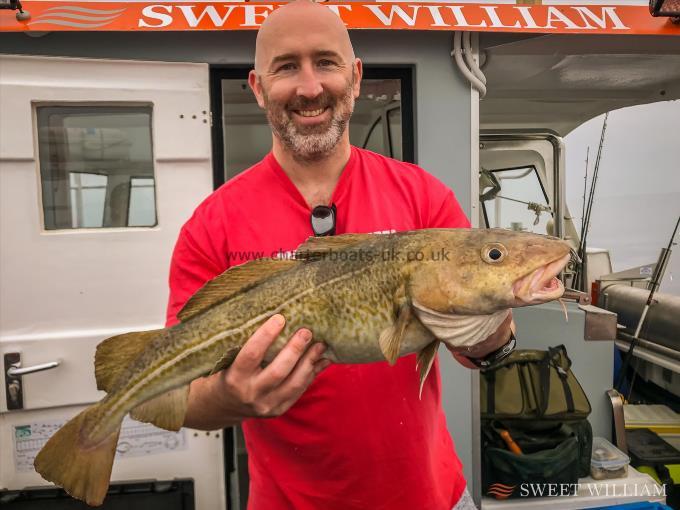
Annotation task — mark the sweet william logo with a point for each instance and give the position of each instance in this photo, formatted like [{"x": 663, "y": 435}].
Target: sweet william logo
[
  {"x": 85, "y": 18},
  {"x": 500, "y": 490}
]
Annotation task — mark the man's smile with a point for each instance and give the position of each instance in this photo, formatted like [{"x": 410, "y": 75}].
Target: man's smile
[{"x": 311, "y": 116}]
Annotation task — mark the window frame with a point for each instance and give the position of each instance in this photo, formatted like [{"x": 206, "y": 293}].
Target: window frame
[
  {"x": 538, "y": 179},
  {"x": 406, "y": 73}
]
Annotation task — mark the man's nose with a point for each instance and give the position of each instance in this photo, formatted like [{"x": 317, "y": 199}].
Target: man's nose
[{"x": 309, "y": 85}]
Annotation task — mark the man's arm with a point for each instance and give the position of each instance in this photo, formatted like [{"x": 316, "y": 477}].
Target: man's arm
[{"x": 245, "y": 389}]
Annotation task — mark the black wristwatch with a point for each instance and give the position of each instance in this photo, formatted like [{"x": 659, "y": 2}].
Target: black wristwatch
[{"x": 496, "y": 356}]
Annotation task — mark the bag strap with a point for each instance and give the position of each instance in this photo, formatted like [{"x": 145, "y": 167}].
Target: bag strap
[
  {"x": 544, "y": 381},
  {"x": 563, "y": 373},
  {"x": 568, "y": 395},
  {"x": 552, "y": 359}
]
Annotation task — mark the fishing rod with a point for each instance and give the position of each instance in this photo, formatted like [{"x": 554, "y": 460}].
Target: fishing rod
[
  {"x": 653, "y": 287},
  {"x": 585, "y": 190},
  {"x": 575, "y": 283},
  {"x": 581, "y": 278}
]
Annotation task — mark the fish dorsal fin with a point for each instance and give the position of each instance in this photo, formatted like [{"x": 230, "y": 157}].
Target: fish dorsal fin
[
  {"x": 316, "y": 247},
  {"x": 391, "y": 337},
  {"x": 234, "y": 280},
  {"x": 424, "y": 362},
  {"x": 116, "y": 353}
]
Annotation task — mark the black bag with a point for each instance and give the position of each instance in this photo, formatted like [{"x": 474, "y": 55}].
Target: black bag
[
  {"x": 553, "y": 453},
  {"x": 534, "y": 400}
]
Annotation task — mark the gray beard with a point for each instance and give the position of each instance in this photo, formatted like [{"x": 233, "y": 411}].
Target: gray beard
[
  {"x": 315, "y": 146},
  {"x": 311, "y": 147}
]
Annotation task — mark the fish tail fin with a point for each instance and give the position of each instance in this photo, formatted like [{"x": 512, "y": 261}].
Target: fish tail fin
[{"x": 83, "y": 470}]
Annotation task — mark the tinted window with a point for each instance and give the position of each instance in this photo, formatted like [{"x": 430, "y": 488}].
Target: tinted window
[{"x": 96, "y": 166}]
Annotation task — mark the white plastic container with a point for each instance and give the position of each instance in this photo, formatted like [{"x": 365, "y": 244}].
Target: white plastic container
[{"x": 607, "y": 460}]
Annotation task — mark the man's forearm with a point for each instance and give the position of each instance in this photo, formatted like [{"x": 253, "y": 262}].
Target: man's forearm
[{"x": 202, "y": 411}]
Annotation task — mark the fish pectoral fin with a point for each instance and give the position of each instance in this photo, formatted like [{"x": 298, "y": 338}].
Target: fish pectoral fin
[
  {"x": 115, "y": 354},
  {"x": 316, "y": 247},
  {"x": 391, "y": 337},
  {"x": 225, "y": 361},
  {"x": 166, "y": 411},
  {"x": 424, "y": 362},
  {"x": 234, "y": 280}
]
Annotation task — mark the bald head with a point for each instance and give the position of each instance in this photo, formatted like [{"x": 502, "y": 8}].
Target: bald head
[
  {"x": 306, "y": 78},
  {"x": 296, "y": 21}
]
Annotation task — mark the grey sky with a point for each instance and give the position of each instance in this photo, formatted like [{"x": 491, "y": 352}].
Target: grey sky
[{"x": 637, "y": 200}]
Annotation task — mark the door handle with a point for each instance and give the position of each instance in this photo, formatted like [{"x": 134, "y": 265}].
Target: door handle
[
  {"x": 16, "y": 369},
  {"x": 13, "y": 372}
]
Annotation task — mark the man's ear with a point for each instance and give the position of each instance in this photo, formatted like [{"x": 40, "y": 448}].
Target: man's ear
[
  {"x": 256, "y": 87},
  {"x": 358, "y": 73}
]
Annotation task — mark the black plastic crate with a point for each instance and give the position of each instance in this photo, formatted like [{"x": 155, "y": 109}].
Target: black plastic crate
[
  {"x": 138, "y": 495},
  {"x": 646, "y": 448}
]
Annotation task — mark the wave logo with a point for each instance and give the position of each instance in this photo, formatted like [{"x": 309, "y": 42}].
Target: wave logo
[
  {"x": 78, "y": 17},
  {"x": 500, "y": 490}
]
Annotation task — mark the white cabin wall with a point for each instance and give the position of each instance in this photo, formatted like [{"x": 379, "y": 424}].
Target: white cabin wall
[{"x": 446, "y": 139}]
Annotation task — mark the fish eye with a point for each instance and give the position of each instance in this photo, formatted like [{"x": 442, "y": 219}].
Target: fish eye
[{"x": 494, "y": 253}]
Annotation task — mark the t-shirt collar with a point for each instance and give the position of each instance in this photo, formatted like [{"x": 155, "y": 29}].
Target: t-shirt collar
[{"x": 340, "y": 188}]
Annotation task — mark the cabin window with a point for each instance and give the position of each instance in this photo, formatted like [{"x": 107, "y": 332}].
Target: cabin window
[
  {"x": 514, "y": 198},
  {"x": 375, "y": 140},
  {"x": 394, "y": 122},
  {"x": 382, "y": 121},
  {"x": 96, "y": 166}
]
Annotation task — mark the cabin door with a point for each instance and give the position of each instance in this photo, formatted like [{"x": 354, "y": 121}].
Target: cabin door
[{"x": 101, "y": 162}]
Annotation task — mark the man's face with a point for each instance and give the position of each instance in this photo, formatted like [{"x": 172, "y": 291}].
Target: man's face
[{"x": 307, "y": 86}]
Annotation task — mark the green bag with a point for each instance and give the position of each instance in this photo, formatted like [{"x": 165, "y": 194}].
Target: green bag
[{"x": 533, "y": 384}]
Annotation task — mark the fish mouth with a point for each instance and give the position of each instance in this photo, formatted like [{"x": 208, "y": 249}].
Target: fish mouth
[{"x": 541, "y": 285}]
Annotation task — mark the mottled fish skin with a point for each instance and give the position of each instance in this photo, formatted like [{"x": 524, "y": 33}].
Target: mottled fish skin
[{"x": 353, "y": 299}]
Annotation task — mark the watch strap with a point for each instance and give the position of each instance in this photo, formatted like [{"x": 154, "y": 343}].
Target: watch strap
[{"x": 496, "y": 356}]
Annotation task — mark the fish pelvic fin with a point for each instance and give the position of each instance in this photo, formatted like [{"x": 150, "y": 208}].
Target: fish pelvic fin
[
  {"x": 390, "y": 339},
  {"x": 83, "y": 470},
  {"x": 234, "y": 280},
  {"x": 166, "y": 411},
  {"x": 424, "y": 362},
  {"x": 115, "y": 354}
]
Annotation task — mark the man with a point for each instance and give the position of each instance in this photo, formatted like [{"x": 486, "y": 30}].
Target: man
[{"x": 341, "y": 437}]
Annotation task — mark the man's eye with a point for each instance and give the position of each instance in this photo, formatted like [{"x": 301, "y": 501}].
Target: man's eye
[
  {"x": 286, "y": 67},
  {"x": 326, "y": 63}
]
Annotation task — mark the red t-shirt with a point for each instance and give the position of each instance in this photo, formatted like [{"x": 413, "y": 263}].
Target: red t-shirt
[{"x": 359, "y": 438}]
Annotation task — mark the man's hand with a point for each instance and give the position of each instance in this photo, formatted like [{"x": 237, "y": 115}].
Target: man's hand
[
  {"x": 246, "y": 390},
  {"x": 496, "y": 340}
]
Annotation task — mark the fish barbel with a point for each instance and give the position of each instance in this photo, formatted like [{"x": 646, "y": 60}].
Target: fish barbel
[{"x": 369, "y": 297}]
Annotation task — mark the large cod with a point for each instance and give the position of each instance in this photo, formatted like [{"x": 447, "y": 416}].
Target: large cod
[{"x": 369, "y": 297}]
